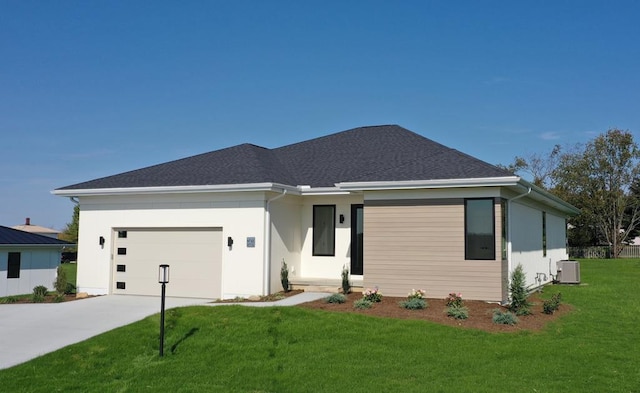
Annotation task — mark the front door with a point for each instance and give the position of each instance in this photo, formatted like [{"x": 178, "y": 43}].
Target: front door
[{"x": 357, "y": 232}]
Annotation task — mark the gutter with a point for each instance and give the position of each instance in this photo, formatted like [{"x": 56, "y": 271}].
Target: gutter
[
  {"x": 509, "y": 226},
  {"x": 267, "y": 244}
]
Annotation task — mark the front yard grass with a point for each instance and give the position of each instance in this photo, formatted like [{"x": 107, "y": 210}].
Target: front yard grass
[{"x": 244, "y": 349}]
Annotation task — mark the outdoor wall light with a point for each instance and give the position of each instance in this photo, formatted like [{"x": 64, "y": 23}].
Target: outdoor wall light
[
  {"x": 229, "y": 241},
  {"x": 101, "y": 241},
  {"x": 341, "y": 218}
]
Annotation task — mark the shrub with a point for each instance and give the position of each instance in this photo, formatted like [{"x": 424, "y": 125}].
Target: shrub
[
  {"x": 519, "y": 304},
  {"x": 61, "y": 283},
  {"x": 40, "y": 290},
  {"x": 372, "y": 295},
  {"x": 9, "y": 300},
  {"x": 458, "y": 312},
  {"x": 70, "y": 289},
  {"x": 37, "y": 298},
  {"x": 414, "y": 303},
  {"x": 284, "y": 276},
  {"x": 362, "y": 304},
  {"x": 59, "y": 298},
  {"x": 346, "y": 284},
  {"x": 454, "y": 300},
  {"x": 504, "y": 317},
  {"x": 417, "y": 294},
  {"x": 336, "y": 298},
  {"x": 552, "y": 305}
]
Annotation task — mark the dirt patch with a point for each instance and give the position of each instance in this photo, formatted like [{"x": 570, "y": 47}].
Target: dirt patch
[
  {"x": 480, "y": 313},
  {"x": 269, "y": 298}
]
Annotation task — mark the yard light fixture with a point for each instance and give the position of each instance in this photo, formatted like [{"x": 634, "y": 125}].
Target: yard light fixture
[{"x": 163, "y": 278}]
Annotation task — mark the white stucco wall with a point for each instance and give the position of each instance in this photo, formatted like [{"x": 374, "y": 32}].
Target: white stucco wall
[
  {"x": 285, "y": 238},
  {"x": 526, "y": 241},
  {"x": 37, "y": 267},
  {"x": 240, "y": 215},
  {"x": 326, "y": 266}
]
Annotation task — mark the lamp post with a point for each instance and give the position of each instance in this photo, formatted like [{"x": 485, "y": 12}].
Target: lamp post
[{"x": 163, "y": 278}]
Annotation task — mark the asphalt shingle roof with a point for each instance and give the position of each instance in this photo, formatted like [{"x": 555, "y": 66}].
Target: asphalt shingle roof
[
  {"x": 375, "y": 153},
  {"x": 10, "y": 236}
]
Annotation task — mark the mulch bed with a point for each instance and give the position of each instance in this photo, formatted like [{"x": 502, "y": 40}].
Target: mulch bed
[
  {"x": 480, "y": 313},
  {"x": 47, "y": 299}
]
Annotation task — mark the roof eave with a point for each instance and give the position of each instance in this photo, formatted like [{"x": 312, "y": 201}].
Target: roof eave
[
  {"x": 549, "y": 198},
  {"x": 438, "y": 183},
  {"x": 175, "y": 189}
]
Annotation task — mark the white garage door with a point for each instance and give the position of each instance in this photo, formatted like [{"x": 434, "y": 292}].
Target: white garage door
[{"x": 193, "y": 254}]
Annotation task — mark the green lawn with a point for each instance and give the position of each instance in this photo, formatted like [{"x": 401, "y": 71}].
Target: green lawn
[{"x": 244, "y": 349}]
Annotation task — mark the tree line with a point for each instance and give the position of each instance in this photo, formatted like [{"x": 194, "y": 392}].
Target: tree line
[{"x": 601, "y": 178}]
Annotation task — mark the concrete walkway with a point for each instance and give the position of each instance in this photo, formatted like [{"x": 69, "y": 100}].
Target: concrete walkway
[{"x": 30, "y": 330}]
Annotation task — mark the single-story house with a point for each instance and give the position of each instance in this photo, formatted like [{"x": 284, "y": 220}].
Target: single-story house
[
  {"x": 27, "y": 260},
  {"x": 37, "y": 229},
  {"x": 399, "y": 210}
]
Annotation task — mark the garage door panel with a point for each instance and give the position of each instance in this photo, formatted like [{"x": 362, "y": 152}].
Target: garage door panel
[{"x": 194, "y": 256}]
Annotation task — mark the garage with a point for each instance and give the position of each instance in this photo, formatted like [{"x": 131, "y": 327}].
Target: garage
[{"x": 194, "y": 256}]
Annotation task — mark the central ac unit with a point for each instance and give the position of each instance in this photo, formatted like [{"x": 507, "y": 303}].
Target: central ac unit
[{"x": 568, "y": 272}]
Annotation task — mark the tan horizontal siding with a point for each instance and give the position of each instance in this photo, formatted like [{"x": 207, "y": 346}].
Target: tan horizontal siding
[{"x": 420, "y": 244}]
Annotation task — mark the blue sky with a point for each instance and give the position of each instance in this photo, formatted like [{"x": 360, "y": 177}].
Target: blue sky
[{"x": 94, "y": 88}]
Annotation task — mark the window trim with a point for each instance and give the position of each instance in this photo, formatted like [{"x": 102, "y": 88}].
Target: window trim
[
  {"x": 13, "y": 265},
  {"x": 493, "y": 230},
  {"x": 333, "y": 233},
  {"x": 544, "y": 234}
]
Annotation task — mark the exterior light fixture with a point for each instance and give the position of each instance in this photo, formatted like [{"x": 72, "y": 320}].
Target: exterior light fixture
[
  {"x": 101, "y": 241},
  {"x": 163, "y": 278}
]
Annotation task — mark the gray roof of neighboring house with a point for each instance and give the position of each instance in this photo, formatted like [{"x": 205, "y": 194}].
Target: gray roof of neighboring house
[
  {"x": 365, "y": 154},
  {"x": 10, "y": 236}
]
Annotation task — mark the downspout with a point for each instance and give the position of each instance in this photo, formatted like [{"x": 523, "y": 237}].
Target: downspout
[
  {"x": 267, "y": 244},
  {"x": 509, "y": 226}
]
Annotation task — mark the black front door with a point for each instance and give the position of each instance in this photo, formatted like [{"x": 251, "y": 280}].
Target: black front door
[{"x": 357, "y": 232}]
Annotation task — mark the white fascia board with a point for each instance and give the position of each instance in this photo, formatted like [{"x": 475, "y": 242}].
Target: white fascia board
[
  {"x": 177, "y": 189},
  {"x": 307, "y": 190},
  {"x": 549, "y": 199},
  {"x": 440, "y": 183}
]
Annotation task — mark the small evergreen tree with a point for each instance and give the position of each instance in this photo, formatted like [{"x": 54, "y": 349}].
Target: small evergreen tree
[
  {"x": 61, "y": 283},
  {"x": 518, "y": 288},
  {"x": 346, "y": 284},
  {"x": 284, "y": 276}
]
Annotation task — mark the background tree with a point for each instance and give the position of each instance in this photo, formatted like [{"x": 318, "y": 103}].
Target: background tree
[
  {"x": 70, "y": 232},
  {"x": 601, "y": 178},
  {"x": 539, "y": 167}
]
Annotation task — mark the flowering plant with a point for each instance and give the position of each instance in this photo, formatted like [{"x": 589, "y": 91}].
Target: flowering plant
[
  {"x": 372, "y": 295},
  {"x": 417, "y": 294},
  {"x": 454, "y": 300}
]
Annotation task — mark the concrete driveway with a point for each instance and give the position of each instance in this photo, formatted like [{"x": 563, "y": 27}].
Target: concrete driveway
[{"x": 30, "y": 330}]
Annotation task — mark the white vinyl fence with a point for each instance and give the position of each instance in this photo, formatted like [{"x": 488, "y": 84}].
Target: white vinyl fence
[{"x": 603, "y": 252}]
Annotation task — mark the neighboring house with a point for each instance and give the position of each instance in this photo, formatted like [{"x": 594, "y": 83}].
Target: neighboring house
[
  {"x": 37, "y": 229},
  {"x": 27, "y": 260},
  {"x": 399, "y": 210}
]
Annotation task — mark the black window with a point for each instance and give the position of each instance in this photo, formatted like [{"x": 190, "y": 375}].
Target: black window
[
  {"x": 122, "y": 234},
  {"x": 121, "y": 285},
  {"x": 121, "y": 268},
  {"x": 544, "y": 234},
  {"x": 324, "y": 230},
  {"x": 122, "y": 251},
  {"x": 479, "y": 226},
  {"x": 13, "y": 265}
]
